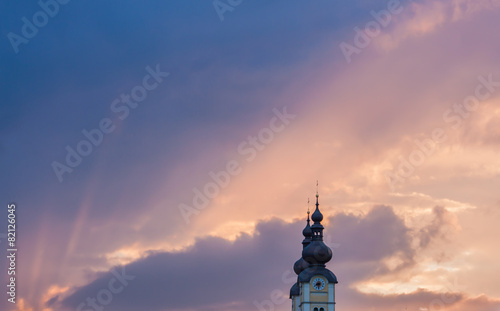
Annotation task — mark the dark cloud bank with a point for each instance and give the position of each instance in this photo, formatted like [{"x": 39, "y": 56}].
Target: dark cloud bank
[{"x": 216, "y": 274}]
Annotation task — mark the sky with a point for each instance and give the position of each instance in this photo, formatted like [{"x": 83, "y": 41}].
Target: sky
[{"x": 161, "y": 154}]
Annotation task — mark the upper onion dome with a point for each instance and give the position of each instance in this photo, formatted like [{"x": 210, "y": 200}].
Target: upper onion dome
[
  {"x": 317, "y": 216},
  {"x": 307, "y": 232}
]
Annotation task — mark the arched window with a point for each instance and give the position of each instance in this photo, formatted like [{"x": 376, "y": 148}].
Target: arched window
[
  {"x": 315, "y": 309},
  {"x": 321, "y": 309}
]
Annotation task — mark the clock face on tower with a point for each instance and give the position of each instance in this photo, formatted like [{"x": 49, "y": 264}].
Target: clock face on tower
[{"x": 318, "y": 283}]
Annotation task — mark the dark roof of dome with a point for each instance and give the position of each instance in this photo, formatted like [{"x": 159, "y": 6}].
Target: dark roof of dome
[
  {"x": 300, "y": 265},
  {"x": 317, "y": 226},
  {"x": 317, "y": 216},
  {"x": 295, "y": 290},
  {"x": 309, "y": 273},
  {"x": 317, "y": 253},
  {"x": 307, "y": 232}
]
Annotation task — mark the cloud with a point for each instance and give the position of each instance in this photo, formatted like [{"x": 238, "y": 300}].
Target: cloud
[
  {"x": 353, "y": 123},
  {"x": 436, "y": 229},
  {"x": 381, "y": 224},
  {"x": 426, "y": 16},
  {"x": 217, "y": 273}
]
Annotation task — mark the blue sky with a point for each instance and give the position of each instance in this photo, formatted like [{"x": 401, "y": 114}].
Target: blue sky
[{"x": 354, "y": 123}]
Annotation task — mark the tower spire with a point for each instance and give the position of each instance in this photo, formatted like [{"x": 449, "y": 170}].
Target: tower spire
[
  {"x": 307, "y": 232},
  {"x": 317, "y": 217},
  {"x": 317, "y": 196},
  {"x": 317, "y": 253},
  {"x": 315, "y": 285}
]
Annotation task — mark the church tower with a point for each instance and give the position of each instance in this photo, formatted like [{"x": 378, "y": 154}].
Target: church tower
[{"x": 315, "y": 287}]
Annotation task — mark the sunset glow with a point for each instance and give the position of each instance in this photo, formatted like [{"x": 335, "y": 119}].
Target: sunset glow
[{"x": 166, "y": 152}]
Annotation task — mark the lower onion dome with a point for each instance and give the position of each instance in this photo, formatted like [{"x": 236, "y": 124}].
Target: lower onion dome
[
  {"x": 295, "y": 290},
  {"x": 300, "y": 265},
  {"x": 317, "y": 253}
]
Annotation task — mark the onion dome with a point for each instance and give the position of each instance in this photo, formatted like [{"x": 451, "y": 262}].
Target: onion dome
[
  {"x": 317, "y": 216},
  {"x": 295, "y": 290},
  {"x": 300, "y": 265},
  {"x": 317, "y": 253},
  {"x": 307, "y": 232}
]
